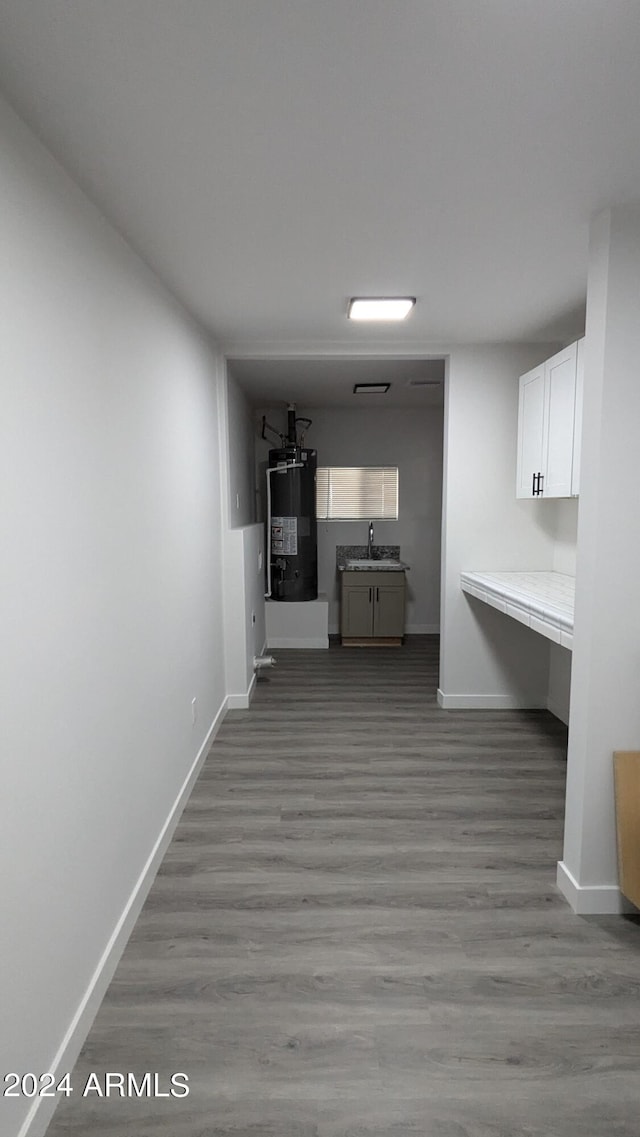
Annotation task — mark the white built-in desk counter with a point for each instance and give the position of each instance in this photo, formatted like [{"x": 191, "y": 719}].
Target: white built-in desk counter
[{"x": 544, "y": 601}]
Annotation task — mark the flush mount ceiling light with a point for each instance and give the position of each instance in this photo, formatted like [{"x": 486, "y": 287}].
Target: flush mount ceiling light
[
  {"x": 371, "y": 388},
  {"x": 380, "y": 307}
]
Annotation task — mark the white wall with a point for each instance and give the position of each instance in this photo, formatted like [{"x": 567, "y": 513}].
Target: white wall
[
  {"x": 242, "y": 494},
  {"x": 245, "y": 633},
  {"x": 110, "y": 598},
  {"x": 605, "y": 707},
  {"x": 243, "y": 553},
  {"x": 486, "y": 658},
  {"x": 558, "y": 700},
  {"x": 565, "y": 534},
  {"x": 412, "y": 440},
  {"x": 564, "y": 517}
]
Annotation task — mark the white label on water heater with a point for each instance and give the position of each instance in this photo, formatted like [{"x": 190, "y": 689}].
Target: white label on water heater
[{"x": 284, "y": 536}]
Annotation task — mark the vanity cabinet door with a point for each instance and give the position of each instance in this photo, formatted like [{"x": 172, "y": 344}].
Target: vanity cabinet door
[
  {"x": 388, "y": 608},
  {"x": 356, "y": 616}
]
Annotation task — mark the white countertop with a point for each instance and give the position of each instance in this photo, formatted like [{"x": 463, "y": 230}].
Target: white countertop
[{"x": 544, "y": 601}]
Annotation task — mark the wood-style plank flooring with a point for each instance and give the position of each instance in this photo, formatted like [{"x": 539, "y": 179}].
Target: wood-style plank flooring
[{"x": 356, "y": 930}]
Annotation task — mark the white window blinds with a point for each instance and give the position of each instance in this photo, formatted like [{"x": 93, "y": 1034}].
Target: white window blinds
[{"x": 357, "y": 493}]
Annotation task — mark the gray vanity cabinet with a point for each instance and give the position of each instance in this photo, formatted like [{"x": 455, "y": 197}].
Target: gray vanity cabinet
[{"x": 372, "y": 607}]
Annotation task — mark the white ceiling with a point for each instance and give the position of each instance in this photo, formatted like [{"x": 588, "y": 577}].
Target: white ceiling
[
  {"x": 270, "y": 158},
  {"x": 329, "y": 382}
]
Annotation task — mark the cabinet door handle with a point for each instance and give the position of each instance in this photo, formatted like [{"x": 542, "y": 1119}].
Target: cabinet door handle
[
  {"x": 533, "y": 486},
  {"x": 370, "y": 595},
  {"x": 377, "y": 595},
  {"x": 540, "y": 483}
]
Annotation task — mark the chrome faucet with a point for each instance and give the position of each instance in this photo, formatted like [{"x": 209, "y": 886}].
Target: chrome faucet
[{"x": 370, "y": 544}]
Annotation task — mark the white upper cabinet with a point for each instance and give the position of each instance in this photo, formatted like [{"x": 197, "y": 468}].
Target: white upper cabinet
[
  {"x": 577, "y": 420},
  {"x": 530, "y": 430},
  {"x": 550, "y": 402},
  {"x": 559, "y": 409}
]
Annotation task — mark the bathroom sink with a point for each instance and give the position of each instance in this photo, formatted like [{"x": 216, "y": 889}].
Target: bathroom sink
[{"x": 363, "y": 563}]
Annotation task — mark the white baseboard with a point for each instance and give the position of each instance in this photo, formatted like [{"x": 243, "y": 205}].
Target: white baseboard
[
  {"x": 242, "y": 702},
  {"x": 291, "y": 641},
  {"x": 561, "y": 712},
  {"x": 593, "y": 899},
  {"x": 41, "y": 1112},
  {"x": 487, "y": 703}
]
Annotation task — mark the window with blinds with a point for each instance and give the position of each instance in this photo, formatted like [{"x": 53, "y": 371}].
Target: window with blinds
[{"x": 357, "y": 493}]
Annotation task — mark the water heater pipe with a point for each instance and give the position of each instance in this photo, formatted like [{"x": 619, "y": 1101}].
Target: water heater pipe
[
  {"x": 292, "y": 437},
  {"x": 274, "y": 470}
]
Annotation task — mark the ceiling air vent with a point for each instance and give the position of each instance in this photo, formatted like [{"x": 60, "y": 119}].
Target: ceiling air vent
[{"x": 371, "y": 388}]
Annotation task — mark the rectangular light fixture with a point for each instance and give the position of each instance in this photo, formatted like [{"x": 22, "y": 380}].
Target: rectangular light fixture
[
  {"x": 371, "y": 388},
  {"x": 380, "y": 307}
]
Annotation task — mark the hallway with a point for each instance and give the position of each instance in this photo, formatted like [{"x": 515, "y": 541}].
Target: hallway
[{"x": 356, "y": 930}]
